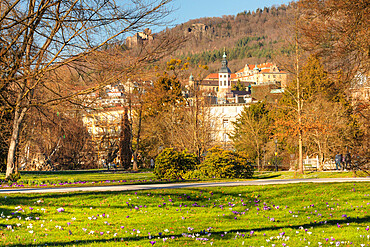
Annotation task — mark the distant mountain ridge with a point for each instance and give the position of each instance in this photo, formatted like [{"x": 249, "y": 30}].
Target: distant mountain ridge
[{"x": 248, "y": 37}]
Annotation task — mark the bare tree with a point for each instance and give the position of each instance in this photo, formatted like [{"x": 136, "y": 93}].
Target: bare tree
[
  {"x": 40, "y": 36},
  {"x": 339, "y": 32}
]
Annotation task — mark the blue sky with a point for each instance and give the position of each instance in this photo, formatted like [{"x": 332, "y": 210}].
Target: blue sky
[{"x": 192, "y": 9}]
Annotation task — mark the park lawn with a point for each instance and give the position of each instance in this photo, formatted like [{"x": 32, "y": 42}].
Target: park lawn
[
  {"x": 80, "y": 178},
  {"x": 104, "y": 178},
  {"x": 333, "y": 214}
]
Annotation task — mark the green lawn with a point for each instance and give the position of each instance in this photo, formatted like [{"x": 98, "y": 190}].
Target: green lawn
[
  {"x": 101, "y": 178},
  {"x": 335, "y": 214}
]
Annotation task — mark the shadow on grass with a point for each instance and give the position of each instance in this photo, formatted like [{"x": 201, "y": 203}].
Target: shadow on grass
[
  {"x": 99, "y": 183},
  {"x": 75, "y": 172},
  {"x": 245, "y": 232},
  {"x": 186, "y": 197},
  {"x": 266, "y": 176},
  {"x": 295, "y": 227}
]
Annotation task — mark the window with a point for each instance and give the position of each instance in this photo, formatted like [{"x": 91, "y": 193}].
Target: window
[
  {"x": 225, "y": 123},
  {"x": 224, "y": 76}
]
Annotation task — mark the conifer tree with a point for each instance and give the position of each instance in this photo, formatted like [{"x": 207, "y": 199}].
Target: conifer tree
[
  {"x": 252, "y": 131},
  {"x": 125, "y": 142}
]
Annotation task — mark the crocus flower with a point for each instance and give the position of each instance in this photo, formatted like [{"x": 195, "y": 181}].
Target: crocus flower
[{"x": 60, "y": 210}]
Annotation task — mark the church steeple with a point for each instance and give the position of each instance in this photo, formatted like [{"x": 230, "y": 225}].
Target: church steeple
[
  {"x": 224, "y": 68},
  {"x": 224, "y": 79}
]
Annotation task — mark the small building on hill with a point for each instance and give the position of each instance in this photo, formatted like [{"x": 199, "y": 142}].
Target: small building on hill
[{"x": 265, "y": 73}]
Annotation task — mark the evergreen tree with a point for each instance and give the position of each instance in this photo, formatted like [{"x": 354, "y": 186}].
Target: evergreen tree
[
  {"x": 125, "y": 142},
  {"x": 252, "y": 131},
  {"x": 238, "y": 86}
]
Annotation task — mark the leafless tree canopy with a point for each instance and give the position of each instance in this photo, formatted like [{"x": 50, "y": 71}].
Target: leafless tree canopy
[{"x": 39, "y": 36}]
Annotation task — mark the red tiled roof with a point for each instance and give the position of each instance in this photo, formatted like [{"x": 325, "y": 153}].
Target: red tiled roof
[
  {"x": 251, "y": 66},
  {"x": 264, "y": 65},
  {"x": 215, "y": 76},
  {"x": 212, "y": 76},
  {"x": 265, "y": 70}
]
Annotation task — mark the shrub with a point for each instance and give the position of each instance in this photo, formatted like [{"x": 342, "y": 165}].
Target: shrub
[
  {"x": 226, "y": 164},
  {"x": 13, "y": 177},
  {"x": 196, "y": 174},
  {"x": 171, "y": 164}
]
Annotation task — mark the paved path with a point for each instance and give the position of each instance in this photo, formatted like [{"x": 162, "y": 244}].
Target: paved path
[{"x": 179, "y": 185}]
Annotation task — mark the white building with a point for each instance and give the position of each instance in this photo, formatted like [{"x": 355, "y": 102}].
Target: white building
[{"x": 223, "y": 116}]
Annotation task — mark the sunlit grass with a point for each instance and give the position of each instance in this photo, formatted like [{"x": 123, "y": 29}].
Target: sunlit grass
[
  {"x": 280, "y": 215},
  {"x": 103, "y": 178}
]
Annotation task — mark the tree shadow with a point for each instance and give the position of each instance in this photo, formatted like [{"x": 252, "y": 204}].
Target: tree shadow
[
  {"x": 266, "y": 176},
  {"x": 244, "y": 232}
]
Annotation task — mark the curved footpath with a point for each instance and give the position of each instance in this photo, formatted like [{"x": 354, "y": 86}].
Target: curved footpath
[{"x": 180, "y": 185}]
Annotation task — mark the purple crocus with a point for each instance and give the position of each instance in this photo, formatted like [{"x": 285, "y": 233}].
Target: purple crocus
[
  {"x": 60, "y": 210},
  {"x": 152, "y": 242}
]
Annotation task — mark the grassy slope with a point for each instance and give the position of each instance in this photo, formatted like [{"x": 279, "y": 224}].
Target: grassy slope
[{"x": 294, "y": 215}]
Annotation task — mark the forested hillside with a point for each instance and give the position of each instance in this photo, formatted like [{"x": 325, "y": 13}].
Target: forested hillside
[{"x": 248, "y": 37}]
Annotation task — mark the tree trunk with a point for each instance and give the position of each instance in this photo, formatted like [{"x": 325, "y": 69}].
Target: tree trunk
[
  {"x": 300, "y": 152},
  {"x": 321, "y": 156},
  {"x": 11, "y": 166},
  {"x": 258, "y": 159},
  {"x": 134, "y": 165},
  {"x": 299, "y": 112}
]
